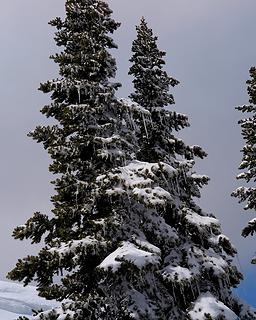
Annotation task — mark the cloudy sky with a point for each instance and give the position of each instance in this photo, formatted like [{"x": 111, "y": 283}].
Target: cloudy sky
[{"x": 210, "y": 47}]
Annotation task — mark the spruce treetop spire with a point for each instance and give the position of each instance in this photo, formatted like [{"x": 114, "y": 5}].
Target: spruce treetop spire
[
  {"x": 152, "y": 91},
  {"x": 151, "y": 82},
  {"x": 84, "y": 34}
]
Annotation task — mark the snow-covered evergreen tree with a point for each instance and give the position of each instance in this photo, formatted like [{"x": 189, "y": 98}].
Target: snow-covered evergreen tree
[
  {"x": 125, "y": 239},
  {"x": 195, "y": 274},
  {"x": 248, "y": 164},
  {"x": 92, "y": 133}
]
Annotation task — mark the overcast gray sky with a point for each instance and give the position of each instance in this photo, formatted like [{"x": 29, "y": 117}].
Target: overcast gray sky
[{"x": 210, "y": 46}]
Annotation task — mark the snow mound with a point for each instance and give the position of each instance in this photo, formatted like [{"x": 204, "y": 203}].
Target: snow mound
[
  {"x": 178, "y": 273},
  {"x": 208, "y": 305},
  {"x": 138, "y": 179},
  {"x": 130, "y": 253},
  {"x": 16, "y": 300}
]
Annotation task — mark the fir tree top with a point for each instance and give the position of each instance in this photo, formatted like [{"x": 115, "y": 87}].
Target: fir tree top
[
  {"x": 84, "y": 34},
  {"x": 152, "y": 91},
  {"x": 151, "y": 82}
]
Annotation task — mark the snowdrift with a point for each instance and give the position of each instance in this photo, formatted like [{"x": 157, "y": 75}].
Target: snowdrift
[{"x": 15, "y": 300}]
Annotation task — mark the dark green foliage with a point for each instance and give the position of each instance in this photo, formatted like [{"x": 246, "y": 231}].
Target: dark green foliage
[
  {"x": 200, "y": 241},
  {"x": 90, "y": 136},
  {"x": 152, "y": 91},
  {"x": 151, "y": 82},
  {"x": 125, "y": 237},
  {"x": 248, "y": 164}
]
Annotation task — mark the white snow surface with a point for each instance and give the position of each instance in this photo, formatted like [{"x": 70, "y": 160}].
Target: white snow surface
[
  {"x": 176, "y": 273},
  {"x": 196, "y": 219},
  {"x": 71, "y": 246},
  {"x": 208, "y": 304},
  {"x": 133, "y": 106},
  {"x": 16, "y": 300},
  {"x": 137, "y": 178},
  {"x": 130, "y": 253}
]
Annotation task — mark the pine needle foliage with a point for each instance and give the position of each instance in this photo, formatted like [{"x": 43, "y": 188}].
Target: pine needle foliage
[
  {"x": 247, "y": 195},
  {"x": 197, "y": 268}
]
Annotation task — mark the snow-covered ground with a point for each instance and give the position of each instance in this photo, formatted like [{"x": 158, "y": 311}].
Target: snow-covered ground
[{"x": 15, "y": 300}]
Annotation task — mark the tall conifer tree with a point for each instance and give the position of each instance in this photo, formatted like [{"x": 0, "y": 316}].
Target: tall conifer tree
[
  {"x": 248, "y": 164},
  {"x": 126, "y": 240},
  {"x": 196, "y": 269},
  {"x": 93, "y": 133}
]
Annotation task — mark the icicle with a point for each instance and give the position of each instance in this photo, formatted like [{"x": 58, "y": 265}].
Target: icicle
[
  {"x": 145, "y": 126},
  {"x": 79, "y": 93},
  {"x": 150, "y": 119},
  {"x": 239, "y": 263},
  {"x": 197, "y": 287},
  {"x": 191, "y": 289},
  {"x": 182, "y": 293},
  {"x": 227, "y": 296},
  {"x": 221, "y": 288},
  {"x": 160, "y": 117},
  {"x": 104, "y": 228},
  {"x": 124, "y": 161},
  {"x": 173, "y": 292},
  {"x": 177, "y": 185},
  {"x": 165, "y": 180},
  {"x": 129, "y": 198},
  {"x": 76, "y": 193},
  {"x": 184, "y": 174},
  {"x": 228, "y": 280},
  {"x": 130, "y": 119},
  {"x": 171, "y": 184}
]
